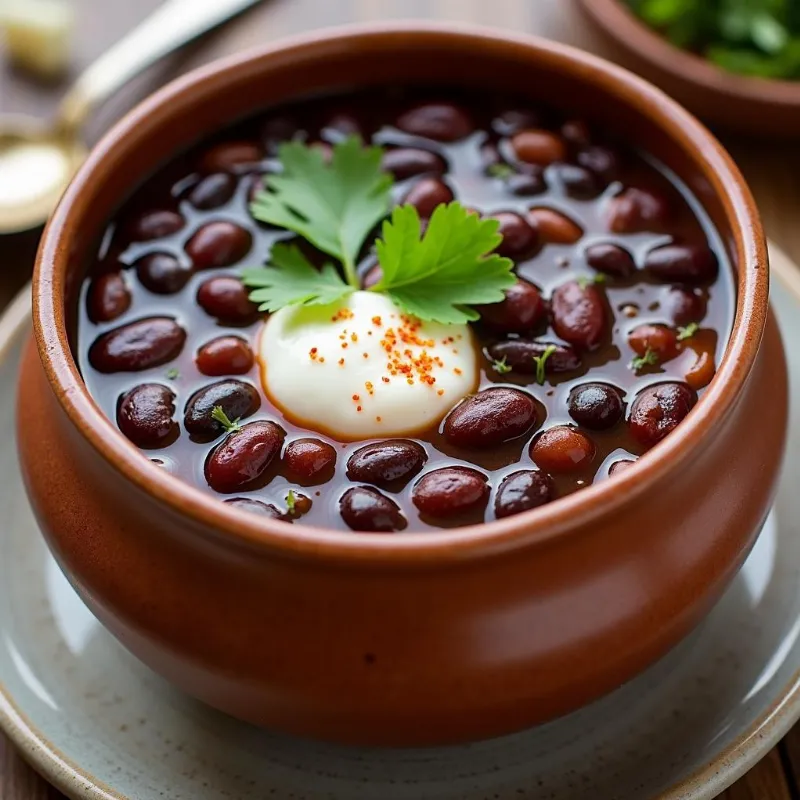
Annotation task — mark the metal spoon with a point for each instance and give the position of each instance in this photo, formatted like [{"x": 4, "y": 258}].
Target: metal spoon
[{"x": 37, "y": 160}]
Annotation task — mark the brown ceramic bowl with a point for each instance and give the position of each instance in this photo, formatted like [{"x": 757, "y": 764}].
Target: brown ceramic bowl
[
  {"x": 754, "y": 106},
  {"x": 418, "y": 638}
]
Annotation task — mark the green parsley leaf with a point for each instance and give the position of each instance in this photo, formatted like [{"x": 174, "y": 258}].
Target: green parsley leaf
[
  {"x": 292, "y": 280},
  {"x": 687, "y": 332},
  {"x": 334, "y": 206},
  {"x": 438, "y": 276},
  {"x": 172, "y": 374},
  {"x": 541, "y": 361},
  {"x": 290, "y": 501},
  {"x": 501, "y": 367},
  {"x": 583, "y": 281},
  {"x": 220, "y": 416},
  {"x": 650, "y": 358},
  {"x": 500, "y": 170}
]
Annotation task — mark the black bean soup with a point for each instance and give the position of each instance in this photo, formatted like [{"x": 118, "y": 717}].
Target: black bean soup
[{"x": 623, "y": 284}]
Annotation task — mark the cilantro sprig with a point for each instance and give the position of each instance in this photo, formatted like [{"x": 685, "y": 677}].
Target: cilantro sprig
[
  {"x": 541, "y": 363},
  {"x": 649, "y": 359},
  {"x": 230, "y": 426},
  {"x": 688, "y": 331},
  {"x": 435, "y": 276}
]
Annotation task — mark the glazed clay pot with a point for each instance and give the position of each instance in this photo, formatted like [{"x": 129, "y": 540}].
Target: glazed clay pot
[{"x": 422, "y": 638}]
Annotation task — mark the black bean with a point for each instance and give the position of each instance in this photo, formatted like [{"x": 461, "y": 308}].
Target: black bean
[
  {"x": 597, "y": 406},
  {"x": 389, "y": 464},
  {"x": 236, "y": 398},
  {"x": 522, "y": 491},
  {"x": 139, "y": 345},
  {"x": 162, "y": 273},
  {"x": 490, "y": 417},
  {"x": 145, "y": 415},
  {"x": 366, "y": 509}
]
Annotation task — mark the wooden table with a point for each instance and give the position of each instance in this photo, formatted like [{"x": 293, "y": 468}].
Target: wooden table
[{"x": 771, "y": 169}]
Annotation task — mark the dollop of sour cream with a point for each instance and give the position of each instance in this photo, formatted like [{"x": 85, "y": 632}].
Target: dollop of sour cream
[{"x": 361, "y": 368}]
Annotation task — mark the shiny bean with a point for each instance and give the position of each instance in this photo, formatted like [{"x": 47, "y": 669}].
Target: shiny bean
[
  {"x": 366, "y": 509},
  {"x": 154, "y": 225},
  {"x": 554, "y": 227},
  {"x": 602, "y": 161},
  {"x": 610, "y": 259},
  {"x": 657, "y": 411},
  {"x": 520, "y": 355},
  {"x": 255, "y": 507},
  {"x": 579, "y": 315},
  {"x": 212, "y": 191},
  {"x": 226, "y": 298},
  {"x": 562, "y": 450},
  {"x": 521, "y": 311},
  {"x": 535, "y": 146},
  {"x": 162, "y": 273},
  {"x": 108, "y": 297},
  {"x": 684, "y": 305},
  {"x": 682, "y": 263},
  {"x": 527, "y": 184},
  {"x": 522, "y": 491},
  {"x": 218, "y": 244},
  {"x": 597, "y": 406},
  {"x": 428, "y": 193},
  {"x": 225, "y": 355},
  {"x": 443, "y": 122},
  {"x": 243, "y": 456},
  {"x": 489, "y": 418},
  {"x": 139, "y": 345},
  {"x": 408, "y": 162},
  {"x": 519, "y": 237},
  {"x": 389, "y": 464},
  {"x": 577, "y": 182},
  {"x": 637, "y": 210},
  {"x": 145, "y": 415},
  {"x": 658, "y": 339},
  {"x": 514, "y": 120},
  {"x": 237, "y": 399},
  {"x": 230, "y": 156},
  {"x": 450, "y": 491},
  {"x": 310, "y": 461}
]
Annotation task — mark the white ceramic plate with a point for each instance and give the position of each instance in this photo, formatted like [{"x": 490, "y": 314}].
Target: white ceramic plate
[{"x": 98, "y": 724}]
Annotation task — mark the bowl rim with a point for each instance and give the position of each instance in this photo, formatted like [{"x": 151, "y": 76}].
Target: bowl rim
[
  {"x": 628, "y": 31},
  {"x": 536, "y": 527}
]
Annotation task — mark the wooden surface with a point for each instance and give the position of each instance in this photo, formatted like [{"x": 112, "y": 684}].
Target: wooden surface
[{"x": 772, "y": 171}]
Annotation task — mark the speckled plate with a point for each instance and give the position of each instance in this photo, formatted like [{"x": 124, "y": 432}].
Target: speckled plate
[{"x": 98, "y": 724}]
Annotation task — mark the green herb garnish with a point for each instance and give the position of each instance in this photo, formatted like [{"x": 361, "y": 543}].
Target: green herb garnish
[
  {"x": 687, "y": 332},
  {"x": 291, "y": 502},
  {"x": 439, "y": 275},
  {"x": 760, "y": 38},
  {"x": 335, "y": 206},
  {"x": 650, "y": 358},
  {"x": 583, "y": 281},
  {"x": 172, "y": 374},
  {"x": 501, "y": 367},
  {"x": 540, "y": 362},
  {"x": 220, "y": 416},
  {"x": 500, "y": 170}
]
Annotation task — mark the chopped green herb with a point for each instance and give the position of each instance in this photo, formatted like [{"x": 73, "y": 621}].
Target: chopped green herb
[
  {"x": 541, "y": 361},
  {"x": 500, "y": 170},
  {"x": 291, "y": 502},
  {"x": 220, "y": 416},
  {"x": 650, "y": 358},
  {"x": 501, "y": 366},
  {"x": 173, "y": 374},
  {"x": 584, "y": 280},
  {"x": 687, "y": 332}
]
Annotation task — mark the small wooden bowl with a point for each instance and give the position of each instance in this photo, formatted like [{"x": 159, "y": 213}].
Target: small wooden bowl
[{"x": 754, "y": 106}]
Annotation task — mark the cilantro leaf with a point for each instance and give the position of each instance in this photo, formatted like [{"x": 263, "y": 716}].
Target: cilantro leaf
[
  {"x": 649, "y": 359},
  {"x": 218, "y": 414},
  {"x": 687, "y": 332},
  {"x": 334, "y": 206},
  {"x": 439, "y": 275},
  {"x": 501, "y": 366},
  {"x": 292, "y": 280},
  {"x": 541, "y": 362}
]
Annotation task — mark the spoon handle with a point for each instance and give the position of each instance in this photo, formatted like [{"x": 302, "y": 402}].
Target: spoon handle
[{"x": 170, "y": 26}]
